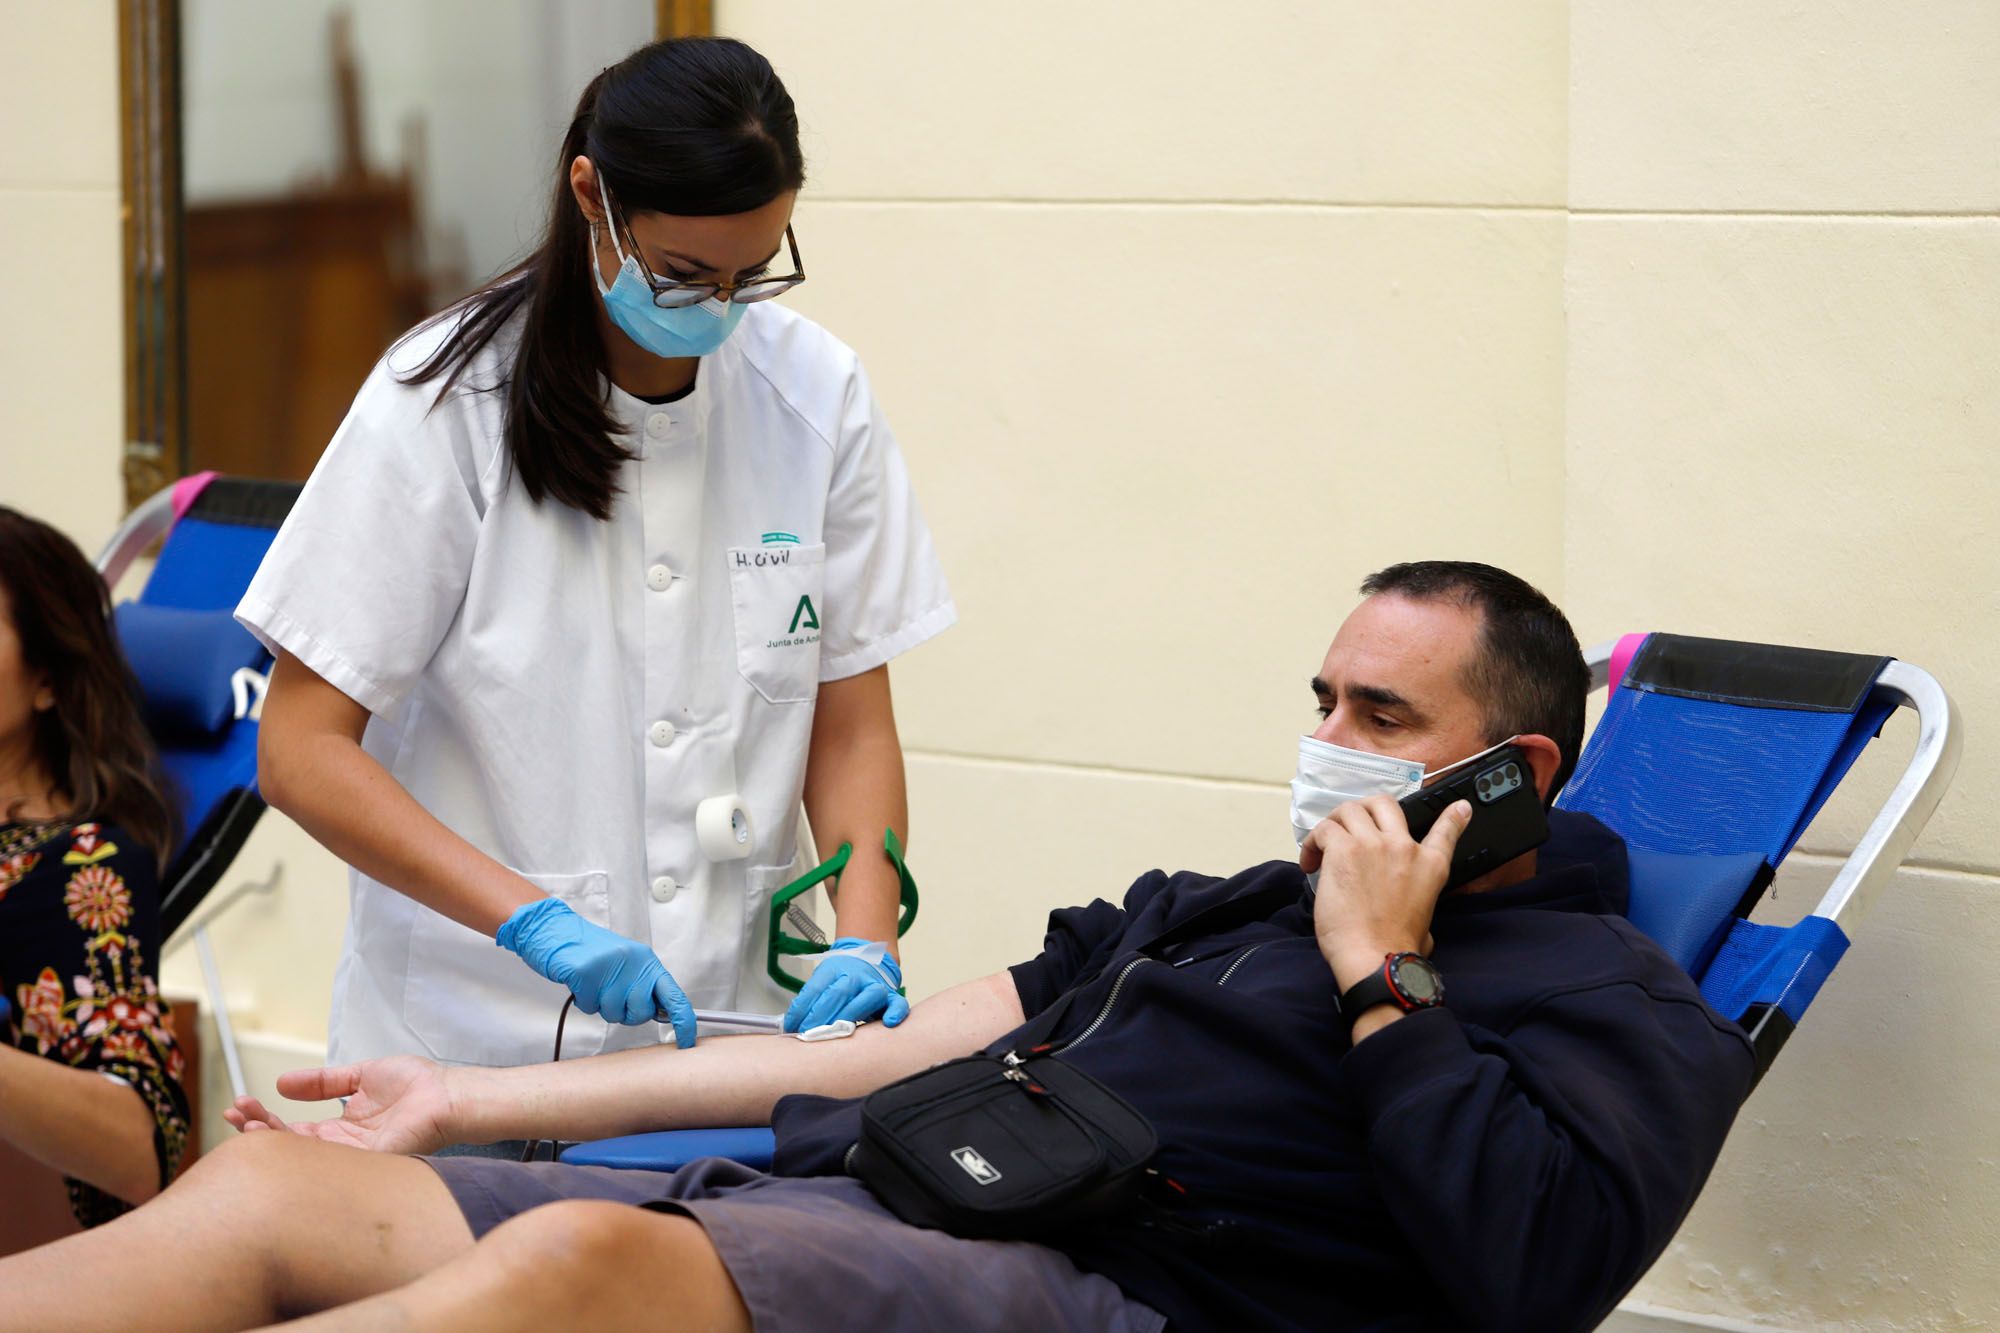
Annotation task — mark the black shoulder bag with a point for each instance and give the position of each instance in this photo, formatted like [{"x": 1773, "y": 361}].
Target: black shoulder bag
[{"x": 1020, "y": 1145}]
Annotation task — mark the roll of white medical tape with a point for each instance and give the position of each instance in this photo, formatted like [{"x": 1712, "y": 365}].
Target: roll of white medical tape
[{"x": 722, "y": 827}]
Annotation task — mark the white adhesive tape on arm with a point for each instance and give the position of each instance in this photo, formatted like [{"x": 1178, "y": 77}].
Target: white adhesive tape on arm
[
  {"x": 722, "y": 827},
  {"x": 871, "y": 953}
]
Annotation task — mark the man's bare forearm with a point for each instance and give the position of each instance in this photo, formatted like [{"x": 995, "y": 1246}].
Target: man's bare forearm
[{"x": 723, "y": 1081}]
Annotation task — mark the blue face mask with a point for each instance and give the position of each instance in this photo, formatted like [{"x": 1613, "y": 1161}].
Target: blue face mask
[{"x": 690, "y": 330}]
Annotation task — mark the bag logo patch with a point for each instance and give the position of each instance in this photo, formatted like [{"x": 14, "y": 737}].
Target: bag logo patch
[{"x": 969, "y": 1161}]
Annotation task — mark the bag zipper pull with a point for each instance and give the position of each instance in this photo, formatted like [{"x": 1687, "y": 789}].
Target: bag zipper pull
[{"x": 1020, "y": 1075}]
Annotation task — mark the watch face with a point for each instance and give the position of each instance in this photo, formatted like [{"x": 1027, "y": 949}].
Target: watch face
[{"x": 1418, "y": 980}]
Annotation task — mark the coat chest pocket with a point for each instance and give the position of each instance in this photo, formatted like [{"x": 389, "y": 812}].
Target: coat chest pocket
[{"x": 776, "y": 592}]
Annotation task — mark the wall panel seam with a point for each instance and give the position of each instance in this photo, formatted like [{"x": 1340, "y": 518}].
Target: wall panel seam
[
  {"x": 1403, "y": 206},
  {"x": 1068, "y": 768},
  {"x": 31, "y": 189},
  {"x": 1955, "y": 869},
  {"x": 1786, "y": 215},
  {"x": 1263, "y": 205}
]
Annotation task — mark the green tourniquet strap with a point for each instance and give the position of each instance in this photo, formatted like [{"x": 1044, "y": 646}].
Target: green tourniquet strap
[{"x": 782, "y": 945}]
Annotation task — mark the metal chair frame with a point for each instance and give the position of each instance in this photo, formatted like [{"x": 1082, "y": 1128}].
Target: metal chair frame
[{"x": 212, "y": 844}]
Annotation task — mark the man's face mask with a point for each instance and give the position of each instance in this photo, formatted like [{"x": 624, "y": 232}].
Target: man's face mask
[{"x": 1332, "y": 775}]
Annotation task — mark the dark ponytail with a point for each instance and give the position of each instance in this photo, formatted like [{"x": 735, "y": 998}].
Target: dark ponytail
[{"x": 694, "y": 126}]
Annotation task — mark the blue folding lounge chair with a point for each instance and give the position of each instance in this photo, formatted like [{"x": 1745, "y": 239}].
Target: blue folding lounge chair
[
  {"x": 1710, "y": 760},
  {"x": 199, "y": 671}
]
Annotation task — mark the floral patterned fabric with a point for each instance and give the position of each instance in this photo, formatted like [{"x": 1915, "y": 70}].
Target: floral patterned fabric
[{"x": 79, "y": 926}]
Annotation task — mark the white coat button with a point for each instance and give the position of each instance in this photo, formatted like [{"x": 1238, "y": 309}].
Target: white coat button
[
  {"x": 662, "y": 733},
  {"x": 664, "y": 889},
  {"x": 659, "y": 578},
  {"x": 658, "y": 424}
]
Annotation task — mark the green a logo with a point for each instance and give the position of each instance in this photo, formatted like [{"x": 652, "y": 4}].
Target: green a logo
[{"x": 804, "y": 615}]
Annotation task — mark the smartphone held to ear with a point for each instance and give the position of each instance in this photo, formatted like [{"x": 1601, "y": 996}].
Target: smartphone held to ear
[{"x": 1507, "y": 814}]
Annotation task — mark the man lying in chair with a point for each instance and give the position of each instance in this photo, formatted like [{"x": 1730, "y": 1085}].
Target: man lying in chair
[{"x": 1514, "y": 1157}]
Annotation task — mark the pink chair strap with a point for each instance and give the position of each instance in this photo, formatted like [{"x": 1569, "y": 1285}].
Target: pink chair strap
[
  {"x": 187, "y": 488},
  {"x": 1621, "y": 657}
]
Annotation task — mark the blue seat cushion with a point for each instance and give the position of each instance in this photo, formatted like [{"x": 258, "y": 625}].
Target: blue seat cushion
[
  {"x": 672, "y": 1149},
  {"x": 184, "y": 661},
  {"x": 202, "y": 775},
  {"x": 1684, "y": 900},
  {"x": 206, "y": 564}
]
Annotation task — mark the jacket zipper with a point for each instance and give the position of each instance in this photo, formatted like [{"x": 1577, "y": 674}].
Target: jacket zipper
[
  {"x": 1109, "y": 1000},
  {"x": 1230, "y": 971},
  {"x": 1118, "y": 986},
  {"x": 1013, "y": 1061}
]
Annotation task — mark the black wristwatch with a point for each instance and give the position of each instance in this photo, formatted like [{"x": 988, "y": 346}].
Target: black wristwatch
[{"x": 1407, "y": 980}]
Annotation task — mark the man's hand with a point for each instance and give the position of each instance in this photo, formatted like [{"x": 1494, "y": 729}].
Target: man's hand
[
  {"x": 1378, "y": 887},
  {"x": 401, "y": 1105}
]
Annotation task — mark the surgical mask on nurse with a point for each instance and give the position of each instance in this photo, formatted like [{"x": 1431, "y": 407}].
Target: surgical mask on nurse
[{"x": 691, "y": 330}]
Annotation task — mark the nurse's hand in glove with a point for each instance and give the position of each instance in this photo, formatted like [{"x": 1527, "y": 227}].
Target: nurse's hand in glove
[
  {"x": 608, "y": 974},
  {"x": 854, "y": 980}
]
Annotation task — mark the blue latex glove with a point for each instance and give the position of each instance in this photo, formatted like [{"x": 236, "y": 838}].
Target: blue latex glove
[
  {"x": 607, "y": 973},
  {"x": 845, "y": 984}
]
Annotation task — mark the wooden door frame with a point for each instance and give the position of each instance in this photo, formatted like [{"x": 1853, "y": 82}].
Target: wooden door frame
[
  {"x": 149, "y": 105},
  {"x": 683, "y": 18},
  {"x": 152, "y": 263}
]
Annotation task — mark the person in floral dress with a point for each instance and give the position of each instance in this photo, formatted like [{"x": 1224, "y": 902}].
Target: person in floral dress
[{"x": 89, "y": 1073}]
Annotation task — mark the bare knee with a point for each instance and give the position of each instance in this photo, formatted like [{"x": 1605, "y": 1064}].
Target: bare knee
[
  {"x": 270, "y": 1179},
  {"x": 252, "y": 1164},
  {"x": 584, "y": 1253},
  {"x": 578, "y": 1236},
  {"x": 321, "y": 1224}
]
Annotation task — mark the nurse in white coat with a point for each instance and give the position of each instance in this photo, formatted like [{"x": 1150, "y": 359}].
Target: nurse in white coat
[{"x": 614, "y": 538}]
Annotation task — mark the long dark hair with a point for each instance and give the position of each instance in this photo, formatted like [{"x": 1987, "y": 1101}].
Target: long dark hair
[
  {"x": 694, "y": 126},
  {"x": 92, "y": 744}
]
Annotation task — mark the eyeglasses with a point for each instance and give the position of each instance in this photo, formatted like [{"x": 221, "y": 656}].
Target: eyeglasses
[{"x": 670, "y": 295}]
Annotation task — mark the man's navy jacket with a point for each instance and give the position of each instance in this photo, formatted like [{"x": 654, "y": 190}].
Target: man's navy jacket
[{"x": 1513, "y": 1160}]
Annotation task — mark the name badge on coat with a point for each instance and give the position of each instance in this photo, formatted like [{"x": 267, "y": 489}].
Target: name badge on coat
[{"x": 776, "y": 592}]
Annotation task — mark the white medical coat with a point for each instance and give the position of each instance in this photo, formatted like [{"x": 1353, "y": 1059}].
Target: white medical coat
[{"x": 563, "y": 692}]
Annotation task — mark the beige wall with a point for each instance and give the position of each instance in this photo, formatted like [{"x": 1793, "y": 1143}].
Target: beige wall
[
  {"x": 62, "y": 410},
  {"x": 1189, "y": 315},
  {"x": 1176, "y": 360},
  {"x": 1783, "y": 284}
]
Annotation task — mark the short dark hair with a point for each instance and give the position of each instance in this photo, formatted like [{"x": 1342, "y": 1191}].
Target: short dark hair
[{"x": 1528, "y": 673}]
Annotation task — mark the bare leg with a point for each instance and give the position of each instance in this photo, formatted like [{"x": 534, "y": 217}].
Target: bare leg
[
  {"x": 268, "y": 1224},
  {"x": 578, "y": 1264}
]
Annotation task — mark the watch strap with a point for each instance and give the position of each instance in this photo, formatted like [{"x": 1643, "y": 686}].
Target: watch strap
[{"x": 1379, "y": 987}]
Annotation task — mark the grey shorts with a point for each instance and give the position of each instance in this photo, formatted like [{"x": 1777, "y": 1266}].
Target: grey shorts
[{"x": 822, "y": 1252}]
